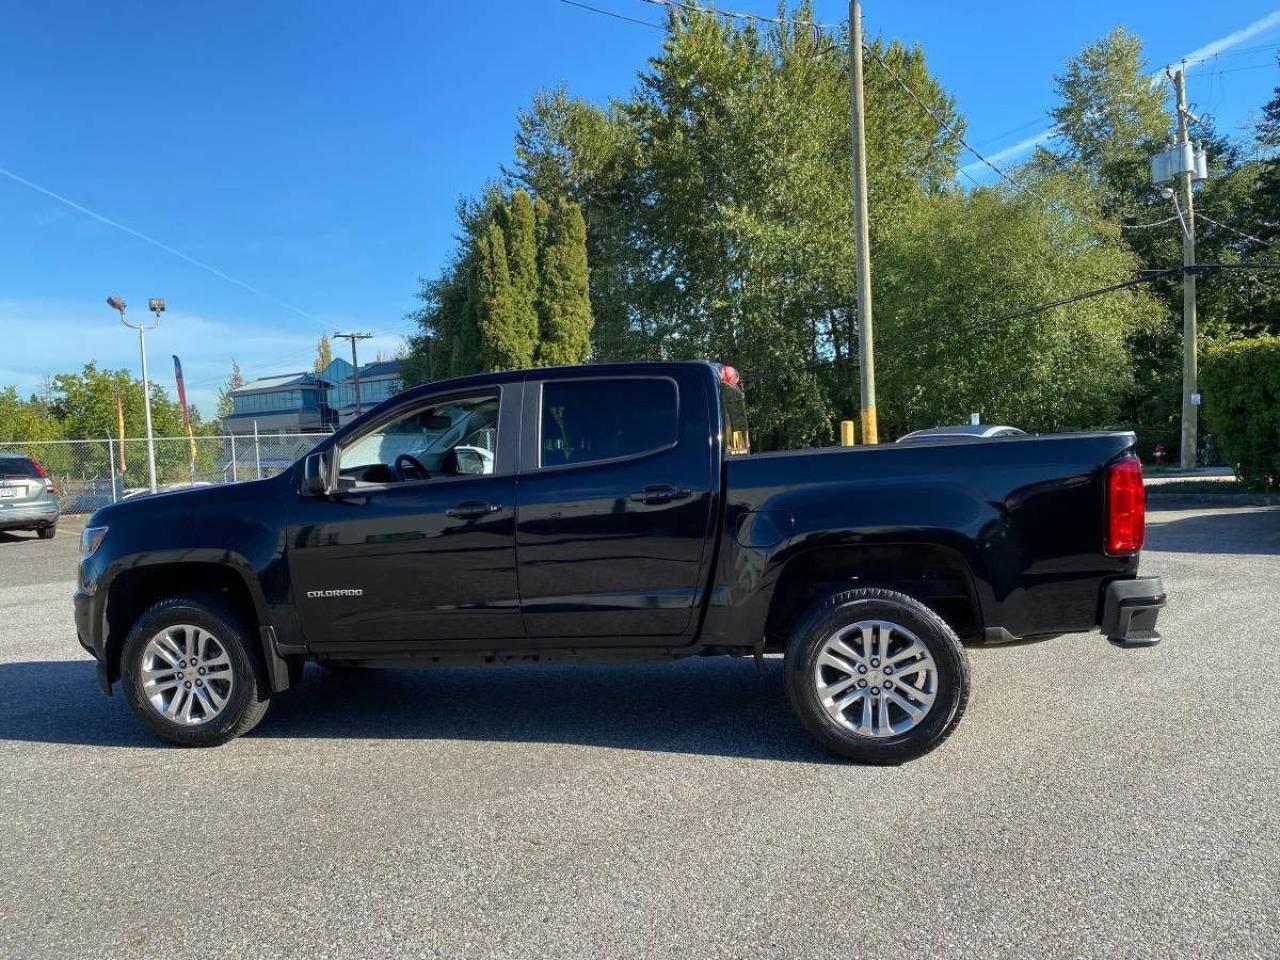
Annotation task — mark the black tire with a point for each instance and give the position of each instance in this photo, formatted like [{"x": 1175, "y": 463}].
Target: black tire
[
  {"x": 249, "y": 696},
  {"x": 46, "y": 533},
  {"x": 834, "y": 611}
]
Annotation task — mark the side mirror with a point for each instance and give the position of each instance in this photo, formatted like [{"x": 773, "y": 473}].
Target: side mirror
[{"x": 319, "y": 479}]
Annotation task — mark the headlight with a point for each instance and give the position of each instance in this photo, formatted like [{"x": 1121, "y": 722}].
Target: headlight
[{"x": 90, "y": 541}]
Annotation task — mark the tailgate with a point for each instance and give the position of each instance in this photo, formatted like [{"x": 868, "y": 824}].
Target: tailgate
[{"x": 24, "y": 490}]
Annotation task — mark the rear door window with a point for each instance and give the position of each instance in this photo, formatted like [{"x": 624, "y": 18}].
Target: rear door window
[{"x": 586, "y": 421}]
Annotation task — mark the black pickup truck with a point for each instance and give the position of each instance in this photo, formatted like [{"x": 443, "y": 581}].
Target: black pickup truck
[{"x": 615, "y": 512}]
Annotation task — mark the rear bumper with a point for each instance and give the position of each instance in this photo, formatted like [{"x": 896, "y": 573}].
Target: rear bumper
[
  {"x": 1129, "y": 611},
  {"x": 40, "y": 513}
]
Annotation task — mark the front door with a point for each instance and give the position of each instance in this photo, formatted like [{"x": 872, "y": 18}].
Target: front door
[
  {"x": 615, "y": 506},
  {"x": 418, "y": 545}
]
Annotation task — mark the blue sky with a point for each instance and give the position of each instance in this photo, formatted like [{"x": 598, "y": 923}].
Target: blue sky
[{"x": 315, "y": 152}]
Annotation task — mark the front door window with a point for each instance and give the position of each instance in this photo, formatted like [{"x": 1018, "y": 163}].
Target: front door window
[{"x": 456, "y": 437}]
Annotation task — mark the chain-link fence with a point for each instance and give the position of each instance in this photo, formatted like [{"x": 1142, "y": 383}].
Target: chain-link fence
[{"x": 90, "y": 473}]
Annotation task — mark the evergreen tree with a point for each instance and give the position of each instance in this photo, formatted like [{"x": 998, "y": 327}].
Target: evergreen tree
[
  {"x": 565, "y": 298},
  {"x": 324, "y": 353},
  {"x": 501, "y": 343},
  {"x": 517, "y": 219},
  {"x": 541, "y": 226}
]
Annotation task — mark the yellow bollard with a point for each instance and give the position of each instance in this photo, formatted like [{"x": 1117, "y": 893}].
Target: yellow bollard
[{"x": 847, "y": 438}]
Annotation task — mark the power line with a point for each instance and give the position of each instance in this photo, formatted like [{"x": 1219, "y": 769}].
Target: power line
[
  {"x": 1227, "y": 53},
  {"x": 1238, "y": 233},
  {"x": 1252, "y": 66},
  {"x": 755, "y": 17},
  {"x": 1153, "y": 223},
  {"x": 1018, "y": 129},
  {"x": 959, "y": 138},
  {"x": 1029, "y": 311},
  {"x": 616, "y": 16},
  {"x": 155, "y": 243}
]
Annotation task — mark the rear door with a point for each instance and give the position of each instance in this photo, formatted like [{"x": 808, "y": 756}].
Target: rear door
[{"x": 615, "y": 502}]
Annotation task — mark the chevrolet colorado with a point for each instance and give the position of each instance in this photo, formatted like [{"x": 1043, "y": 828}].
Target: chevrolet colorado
[{"x": 615, "y": 512}]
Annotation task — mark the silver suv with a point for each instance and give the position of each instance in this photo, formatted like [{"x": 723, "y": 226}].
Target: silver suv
[{"x": 27, "y": 500}]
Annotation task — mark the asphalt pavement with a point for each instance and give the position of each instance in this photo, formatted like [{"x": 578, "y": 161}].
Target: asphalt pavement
[{"x": 1095, "y": 802}]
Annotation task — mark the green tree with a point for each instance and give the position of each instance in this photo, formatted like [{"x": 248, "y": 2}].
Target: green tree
[
  {"x": 517, "y": 220},
  {"x": 966, "y": 261},
  {"x": 565, "y": 298},
  {"x": 85, "y": 403},
  {"x": 226, "y": 403},
  {"x": 503, "y": 345},
  {"x": 1112, "y": 119},
  {"x": 26, "y": 419},
  {"x": 716, "y": 202}
]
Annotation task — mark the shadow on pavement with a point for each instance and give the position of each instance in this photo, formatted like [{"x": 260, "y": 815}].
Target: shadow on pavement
[
  {"x": 18, "y": 536},
  {"x": 1211, "y": 531},
  {"x": 713, "y": 706}
]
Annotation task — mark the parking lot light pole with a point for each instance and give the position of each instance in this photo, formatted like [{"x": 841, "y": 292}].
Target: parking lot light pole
[{"x": 115, "y": 303}]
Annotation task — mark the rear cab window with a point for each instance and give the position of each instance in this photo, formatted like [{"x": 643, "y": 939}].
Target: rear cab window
[
  {"x": 733, "y": 415},
  {"x": 589, "y": 421}
]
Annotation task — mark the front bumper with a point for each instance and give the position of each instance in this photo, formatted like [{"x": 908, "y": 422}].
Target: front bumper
[
  {"x": 1129, "y": 611},
  {"x": 91, "y": 638},
  {"x": 84, "y": 620}
]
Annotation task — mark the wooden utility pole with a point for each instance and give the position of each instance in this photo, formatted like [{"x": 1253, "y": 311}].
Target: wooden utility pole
[
  {"x": 1188, "y": 218},
  {"x": 355, "y": 364},
  {"x": 861, "y": 236}
]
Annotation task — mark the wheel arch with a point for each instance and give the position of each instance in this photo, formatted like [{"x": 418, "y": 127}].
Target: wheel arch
[
  {"x": 936, "y": 575},
  {"x": 132, "y": 591}
]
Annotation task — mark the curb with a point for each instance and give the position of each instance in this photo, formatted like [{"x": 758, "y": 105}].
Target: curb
[{"x": 1172, "y": 501}]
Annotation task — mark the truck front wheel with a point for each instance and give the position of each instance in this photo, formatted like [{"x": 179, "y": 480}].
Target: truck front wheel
[
  {"x": 875, "y": 675},
  {"x": 190, "y": 674}
]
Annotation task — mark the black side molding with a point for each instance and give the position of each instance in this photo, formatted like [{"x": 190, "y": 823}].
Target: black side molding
[{"x": 1129, "y": 611}]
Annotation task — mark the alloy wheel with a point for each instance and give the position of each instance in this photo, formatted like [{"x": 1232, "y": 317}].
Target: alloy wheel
[
  {"x": 187, "y": 675},
  {"x": 875, "y": 678}
]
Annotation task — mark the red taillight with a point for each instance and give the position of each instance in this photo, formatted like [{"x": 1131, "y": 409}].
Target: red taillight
[
  {"x": 48, "y": 484},
  {"x": 1126, "y": 507},
  {"x": 730, "y": 376}
]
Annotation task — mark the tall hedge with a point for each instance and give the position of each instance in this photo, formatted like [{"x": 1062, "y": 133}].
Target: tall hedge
[{"x": 1240, "y": 382}]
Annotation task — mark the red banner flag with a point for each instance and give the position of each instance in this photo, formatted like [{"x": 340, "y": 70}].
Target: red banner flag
[{"x": 182, "y": 401}]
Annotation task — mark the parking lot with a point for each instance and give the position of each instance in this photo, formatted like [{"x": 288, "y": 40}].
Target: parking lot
[{"x": 1094, "y": 802}]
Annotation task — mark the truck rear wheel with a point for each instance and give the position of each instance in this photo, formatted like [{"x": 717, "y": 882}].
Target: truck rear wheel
[
  {"x": 875, "y": 675},
  {"x": 190, "y": 674}
]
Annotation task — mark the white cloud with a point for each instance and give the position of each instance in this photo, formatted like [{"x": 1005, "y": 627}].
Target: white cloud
[
  {"x": 1194, "y": 59},
  {"x": 1223, "y": 44},
  {"x": 44, "y": 338},
  {"x": 1011, "y": 152}
]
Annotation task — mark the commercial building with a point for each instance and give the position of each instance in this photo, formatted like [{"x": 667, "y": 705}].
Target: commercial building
[{"x": 311, "y": 402}]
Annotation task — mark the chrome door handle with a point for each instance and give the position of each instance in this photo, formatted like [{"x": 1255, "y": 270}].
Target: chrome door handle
[
  {"x": 661, "y": 493},
  {"x": 471, "y": 509}
]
